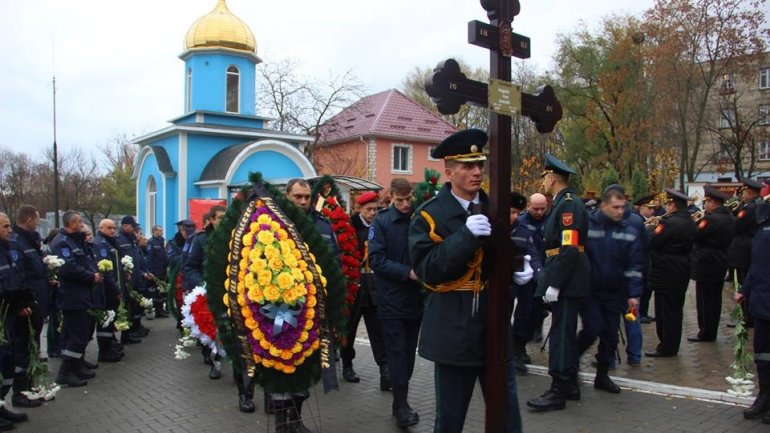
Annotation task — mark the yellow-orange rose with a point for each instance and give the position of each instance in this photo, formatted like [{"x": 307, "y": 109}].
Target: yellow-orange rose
[
  {"x": 272, "y": 293},
  {"x": 308, "y": 276},
  {"x": 303, "y": 336},
  {"x": 311, "y": 302},
  {"x": 265, "y": 237},
  {"x": 308, "y": 326},
  {"x": 248, "y": 240},
  {"x": 285, "y": 280},
  {"x": 297, "y": 274},
  {"x": 286, "y": 354},
  {"x": 275, "y": 351},
  {"x": 226, "y": 300},
  {"x": 264, "y": 344},
  {"x": 264, "y": 277},
  {"x": 264, "y": 219},
  {"x": 250, "y": 323},
  {"x": 271, "y": 252},
  {"x": 290, "y": 260},
  {"x": 249, "y": 281},
  {"x": 276, "y": 264},
  {"x": 268, "y": 363}
]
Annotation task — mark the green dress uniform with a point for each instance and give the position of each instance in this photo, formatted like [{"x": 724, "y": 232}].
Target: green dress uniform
[{"x": 568, "y": 269}]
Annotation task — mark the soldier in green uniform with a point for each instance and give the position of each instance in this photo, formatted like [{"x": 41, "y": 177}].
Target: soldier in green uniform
[
  {"x": 446, "y": 246},
  {"x": 564, "y": 283}
]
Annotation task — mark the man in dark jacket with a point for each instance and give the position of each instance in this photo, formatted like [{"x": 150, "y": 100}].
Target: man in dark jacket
[
  {"x": 16, "y": 300},
  {"x": 398, "y": 294},
  {"x": 128, "y": 245},
  {"x": 564, "y": 283},
  {"x": 26, "y": 253},
  {"x": 450, "y": 259},
  {"x": 757, "y": 285},
  {"x": 157, "y": 265},
  {"x": 77, "y": 278},
  {"x": 713, "y": 238},
  {"x": 670, "y": 248},
  {"x": 366, "y": 302},
  {"x": 106, "y": 248},
  {"x": 739, "y": 255},
  {"x": 614, "y": 248}
]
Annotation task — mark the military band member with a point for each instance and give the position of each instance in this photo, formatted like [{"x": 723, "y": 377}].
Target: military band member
[
  {"x": 564, "y": 283},
  {"x": 646, "y": 207},
  {"x": 715, "y": 232},
  {"x": 739, "y": 255},
  {"x": 448, "y": 255},
  {"x": 670, "y": 248}
]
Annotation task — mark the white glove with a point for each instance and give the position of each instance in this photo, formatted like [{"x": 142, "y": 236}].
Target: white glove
[
  {"x": 479, "y": 225},
  {"x": 551, "y": 295},
  {"x": 523, "y": 277}
]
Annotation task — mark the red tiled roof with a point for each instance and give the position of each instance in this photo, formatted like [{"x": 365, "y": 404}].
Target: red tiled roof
[{"x": 386, "y": 114}]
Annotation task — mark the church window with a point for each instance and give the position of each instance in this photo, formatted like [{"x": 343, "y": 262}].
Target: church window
[
  {"x": 152, "y": 205},
  {"x": 233, "y": 91},
  {"x": 188, "y": 91}
]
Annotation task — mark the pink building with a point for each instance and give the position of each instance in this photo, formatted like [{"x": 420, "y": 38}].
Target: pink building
[{"x": 380, "y": 137}]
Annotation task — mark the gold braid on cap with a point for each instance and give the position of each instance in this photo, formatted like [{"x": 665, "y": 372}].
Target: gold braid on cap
[{"x": 465, "y": 155}]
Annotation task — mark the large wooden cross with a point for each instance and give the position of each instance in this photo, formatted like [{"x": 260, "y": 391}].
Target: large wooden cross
[{"x": 449, "y": 88}]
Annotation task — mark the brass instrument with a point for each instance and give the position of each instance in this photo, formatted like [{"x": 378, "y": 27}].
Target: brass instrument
[
  {"x": 697, "y": 216},
  {"x": 655, "y": 220},
  {"x": 733, "y": 205}
]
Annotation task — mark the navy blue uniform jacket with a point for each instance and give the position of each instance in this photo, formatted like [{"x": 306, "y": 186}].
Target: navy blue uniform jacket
[{"x": 76, "y": 276}]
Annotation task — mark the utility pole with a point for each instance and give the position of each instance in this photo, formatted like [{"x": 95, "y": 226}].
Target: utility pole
[{"x": 55, "y": 162}]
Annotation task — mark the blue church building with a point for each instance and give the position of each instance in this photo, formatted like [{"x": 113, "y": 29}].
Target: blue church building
[{"x": 208, "y": 151}]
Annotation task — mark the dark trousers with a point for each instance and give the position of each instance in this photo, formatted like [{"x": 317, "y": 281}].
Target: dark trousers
[
  {"x": 601, "y": 319},
  {"x": 562, "y": 344},
  {"x": 762, "y": 350},
  {"x": 20, "y": 343},
  {"x": 668, "y": 321},
  {"x": 53, "y": 334},
  {"x": 400, "y": 338},
  {"x": 708, "y": 301},
  {"x": 368, "y": 311},
  {"x": 740, "y": 274},
  {"x": 77, "y": 328},
  {"x": 522, "y": 315},
  {"x": 644, "y": 300}
]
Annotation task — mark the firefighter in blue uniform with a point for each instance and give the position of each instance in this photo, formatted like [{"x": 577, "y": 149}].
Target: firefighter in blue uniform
[
  {"x": 523, "y": 292},
  {"x": 129, "y": 246},
  {"x": 715, "y": 233},
  {"x": 757, "y": 285},
  {"x": 26, "y": 253},
  {"x": 670, "y": 249},
  {"x": 615, "y": 251},
  {"x": 157, "y": 265},
  {"x": 16, "y": 300},
  {"x": 77, "y": 280},
  {"x": 449, "y": 258},
  {"x": 398, "y": 292},
  {"x": 106, "y": 248},
  {"x": 564, "y": 283}
]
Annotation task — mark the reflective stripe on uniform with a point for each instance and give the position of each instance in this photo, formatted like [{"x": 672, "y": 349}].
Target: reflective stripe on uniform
[
  {"x": 31, "y": 250},
  {"x": 519, "y": 239},
  {"x": 762, "y": 357},
  {"x": 104, "y": 334},
  {"x": 71, "y": 354},
  {"x": 4, "y": 267},
  {"x": 18, "y": 369},
  {"x": 8, "y": 382},
  {"x": 632, "y": 274},
  {"x": 624, "y": 236},
  {"x": 595, "y": 233}
]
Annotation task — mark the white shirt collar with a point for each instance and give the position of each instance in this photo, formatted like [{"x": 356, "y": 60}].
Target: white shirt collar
[
  {"x": 364, "y": 221},
  {"x": 464, "y": 203}
]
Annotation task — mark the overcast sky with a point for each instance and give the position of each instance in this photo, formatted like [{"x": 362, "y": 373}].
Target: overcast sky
[{"x": 117, "y": 70}]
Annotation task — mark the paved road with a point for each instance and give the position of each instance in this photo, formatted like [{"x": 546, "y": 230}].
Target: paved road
[{"x": 150, "y": 391}]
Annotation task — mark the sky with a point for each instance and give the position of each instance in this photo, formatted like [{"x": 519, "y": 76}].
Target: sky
[{"x": 118, "y": 72}]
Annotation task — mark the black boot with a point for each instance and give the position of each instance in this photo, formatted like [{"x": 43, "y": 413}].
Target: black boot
[
  {"x": 5, "y": 425},
  {"x": 602, "y": 380},
  {"x": 405, "y": 415},
  {"x": 384, "y": 378},
  {"x": 349, "y": 374},
  {"x": 12, "y": 416},
  {"x": 21, "y": 383},
  {"x": 572, "y": 389},
  {"x": 295, "y": 416},
  {"x": 80, "y": 369},
  {"x": 520, "y": 357},
  {"x": 215, "y": 372},
  {"x": 553, "y": 399},
  {"x": 246, "y": 397},
  {"x": 761, "y": 403},
  {"x": 67, "y": 375}
]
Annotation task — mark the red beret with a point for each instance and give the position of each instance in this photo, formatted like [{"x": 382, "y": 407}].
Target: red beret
[{"x": 367, "y": 197}]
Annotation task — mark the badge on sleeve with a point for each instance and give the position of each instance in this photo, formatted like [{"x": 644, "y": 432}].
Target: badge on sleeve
[
  {"x": 702, "y": 225},
  {"x": 569, "y": 238},
  {"x": 659, "y": 229},
  {"x": 103, "y": 252},
  {"x": 566, "y": 219},
  {"x": 14, "y": 255},
  {"x": 371, "y": 232},
  {"x": 742, "y": 213},
  {"x": 65, "y": 252}
]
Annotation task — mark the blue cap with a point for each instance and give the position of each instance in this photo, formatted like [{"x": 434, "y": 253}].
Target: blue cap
[
  {"x": 556, "y": 165},
  {"x": 128, "y": 220},
  {"x": 751, "y": 184},
  {"x": 463, "y": 146},
  {"x": 185, "y": 223},
  {"x": 675, "y": 195}
]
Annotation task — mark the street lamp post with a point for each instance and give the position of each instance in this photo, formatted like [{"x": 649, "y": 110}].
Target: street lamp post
[{"x": 55, "y": 162}]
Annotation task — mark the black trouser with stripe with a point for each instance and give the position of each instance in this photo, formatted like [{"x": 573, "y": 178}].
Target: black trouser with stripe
[
  {"x": 762, "y": 350},
  {"x": 708, "y": 300}
]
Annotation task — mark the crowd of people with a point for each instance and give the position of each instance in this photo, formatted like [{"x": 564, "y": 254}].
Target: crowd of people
[{"x": 422, "y": 285}]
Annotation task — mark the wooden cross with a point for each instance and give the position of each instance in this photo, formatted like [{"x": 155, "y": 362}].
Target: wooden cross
[{"x": 449, "y": 88}]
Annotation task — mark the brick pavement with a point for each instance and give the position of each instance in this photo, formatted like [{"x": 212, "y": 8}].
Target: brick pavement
[{"x": 150, "y": 391}]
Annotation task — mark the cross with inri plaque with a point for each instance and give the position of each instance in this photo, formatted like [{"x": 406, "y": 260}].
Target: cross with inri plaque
[{"x": 449, "y": 88}]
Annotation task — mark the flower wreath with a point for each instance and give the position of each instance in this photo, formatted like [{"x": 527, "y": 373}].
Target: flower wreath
[
  {"x": 350, "y": 256},
  {"x": 197, "y": 317},
  {"x": 276, "y": 290}
]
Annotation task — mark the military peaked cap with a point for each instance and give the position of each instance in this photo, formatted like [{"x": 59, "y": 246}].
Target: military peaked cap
[
  {"x": 463, "y": 146},
  {"x": 675, "y": 195},
  {"x": 648, "y": 200},
  {"x": 751, "y": 184},
  {"x": 714, "y": 193},
  {"x": 555, "y": 165}
]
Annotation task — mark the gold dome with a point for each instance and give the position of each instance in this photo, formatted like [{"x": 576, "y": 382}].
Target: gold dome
[{"x": 220, "y": 29}]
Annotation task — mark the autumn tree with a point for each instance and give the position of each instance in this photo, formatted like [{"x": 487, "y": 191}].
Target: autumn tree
[
  {"x": 301, "y": 104},
  {"x": 691, "y": 45}
]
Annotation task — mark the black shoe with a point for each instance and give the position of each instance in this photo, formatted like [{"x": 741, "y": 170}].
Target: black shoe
[
  {"x": 350, "y": 375},
  {"x": 207, "y": 360},
  {"x": 215, "y": 372},
  {"x": 117, "y": 346},
  {"x": 759, "y": 408},
  {"x": 604, "y": 383},
  {"x": 647, "y": 319},
  {"x": 21, "y": 400},
  {"x": 55, "y": 354},
  {"x": 550, "y": 400},
  {"x": 70, "y": 379},
  {"x": 5, "y": 425},
  {"x": 110, "y": 356},
  {"x": 656, "y": 354},
  {"x": 127, "y": 338},
  {"x": 405, "y": 416},
  {"x": 160, "y": 314},
  {"x": 572, "y": 392},
  {"x": 520, "y": 366},
  {"x": 697, "y": 339},
  {"x": 90, "y": 365},
  {"x": 85, "y": 373},
  {"x": 12, "y": 416},
  {"x": 246, "y": 403}
]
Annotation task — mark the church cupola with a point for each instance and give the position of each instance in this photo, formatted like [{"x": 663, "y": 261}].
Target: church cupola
[{"x": 220, "y": 64}]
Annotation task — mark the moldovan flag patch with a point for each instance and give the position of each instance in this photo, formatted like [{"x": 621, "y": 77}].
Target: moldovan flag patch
[{"x": 569, "y": 238}]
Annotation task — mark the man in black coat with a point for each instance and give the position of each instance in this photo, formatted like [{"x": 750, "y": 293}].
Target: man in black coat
[
  {"x": 739, "y": 255},
  {"x": 398, "y": 294},
  {"x": 106, "y": 248},
  {"x": 715, "y": 232},
  {"x": 128, "y": 245},
  {"x": 26, "y": 253},
  {"x": 366, "y": 301},
  {"x": 77, "y": 278},
  {"x": 157, "y": 265},
  {"x": 670, "y": 248}
]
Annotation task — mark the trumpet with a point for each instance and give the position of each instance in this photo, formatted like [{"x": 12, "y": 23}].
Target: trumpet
[
  {"x": 733, "y": 205},
  {"x": 655, "y": 220},
  {"x": 697, "y": 216}
]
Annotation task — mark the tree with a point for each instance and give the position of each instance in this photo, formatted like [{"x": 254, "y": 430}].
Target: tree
[
  {"x": 299, "y": 104},
  {"x": 600, "y": 82},
  {"x": 117, "y": 186},
  {"x": 17, "y": 180},
  {"x": 692, "y": 44},
  {"x": 639, "y": 186}
]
